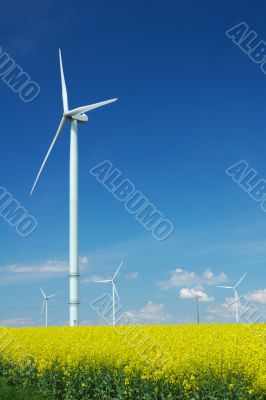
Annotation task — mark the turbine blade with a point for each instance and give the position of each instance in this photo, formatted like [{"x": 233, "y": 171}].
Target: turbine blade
[
  {"x": 90, "y": 107},
  {"x": 116, "y": 291},
  {"x": 118, "y": 269},
  {"x": 63, "y": 83},
  {"x": 51, "y": 295},
  {"x": 43, "y": 304},
  {"x": 105, "y": 281},
  {"x": 240, "y": 280},
  {"x": 61, "y": 125},
  {"x": 226, "y": 287},
  {"x": 42, "y": 292}
]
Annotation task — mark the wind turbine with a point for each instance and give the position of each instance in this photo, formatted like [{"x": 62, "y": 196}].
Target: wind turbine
[
  {"x": 114, "y": 290},
  {"x": 45, "y": 304},
  {"x": 198, "y": 315},
  {"x": 237, "y": 299},
  {"x": 75, "y": 116}
]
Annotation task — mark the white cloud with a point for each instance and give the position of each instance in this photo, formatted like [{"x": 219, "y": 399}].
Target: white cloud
[
  {"x": 151, "y": 313},
  {"x": 51, "y": 266},
  {"x": 186, "y": 293},
  {"x": 93, "y": 278},
  {"x": 103, "y": 260},
  {"x": 83, "y": 260},
  {"x": 132, "y": 275},
  {"x": 181, "y": 277},
  {"x": 226, "y": 311},
  {"x": 20, "y": 321},
  {"x": 258, "y": 296},
  {"x": 19, "y": 273},
  {"x": 223, "y": 311}
]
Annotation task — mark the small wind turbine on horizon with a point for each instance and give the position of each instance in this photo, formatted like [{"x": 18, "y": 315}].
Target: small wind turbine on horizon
[
  {"x": 237, "y": 299},
  {"x": 74, "y": 116},
  {"x": 114, "y": 290},
  {"x": 198, "y": 314},
  {"x": 45, "y": 305}
]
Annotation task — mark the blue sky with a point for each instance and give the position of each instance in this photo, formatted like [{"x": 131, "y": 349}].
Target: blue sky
[{"x": 191, "y": 104}]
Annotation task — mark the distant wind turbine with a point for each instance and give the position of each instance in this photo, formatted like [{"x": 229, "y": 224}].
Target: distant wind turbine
[
  {"x": 74, "y": 116},
  {"x": 198, "y": 315},
  {"x": 45, "y": 305},
  {"x": 237, "y": 299},
  {"x": 114, "y": 290}
]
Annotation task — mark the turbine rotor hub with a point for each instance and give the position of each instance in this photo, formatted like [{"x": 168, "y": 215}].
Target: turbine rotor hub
[{"x": 81, "y": 118}]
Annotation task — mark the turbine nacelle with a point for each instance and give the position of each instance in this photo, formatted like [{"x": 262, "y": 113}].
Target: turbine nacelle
[{"x": 81, "y": 118}]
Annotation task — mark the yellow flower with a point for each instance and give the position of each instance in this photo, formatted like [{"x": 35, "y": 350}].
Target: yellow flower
[{"x": 176, "y": 354}]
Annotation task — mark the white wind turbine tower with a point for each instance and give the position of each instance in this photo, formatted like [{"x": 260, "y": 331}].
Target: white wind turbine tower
[
  {"x": 197, "y": 302},
  {"x": 237, "y": 299},
  {"x": 75, "y": 116},
  {"x": 45, "y": 304},
  {"x": 114, "y": 290}
]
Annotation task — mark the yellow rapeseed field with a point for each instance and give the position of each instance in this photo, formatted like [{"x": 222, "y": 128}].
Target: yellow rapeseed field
[{"x": 179, "y": 356}]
